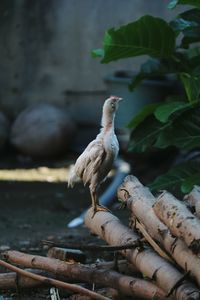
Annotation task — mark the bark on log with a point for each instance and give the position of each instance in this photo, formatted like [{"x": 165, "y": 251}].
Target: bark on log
[
  {"x": 181, "y": 222},
  {"x": 108, "y": 292},
  {"x": 13, "y": 281},
  {"x": 193, "y": 198},
  {"x": 140, "y": 200},
  {"x": 127, "y": 285},
  {"x": 67, "y": 254},
  {"x": 53, "y": 282},
  {"x": 109, "y": 228}
]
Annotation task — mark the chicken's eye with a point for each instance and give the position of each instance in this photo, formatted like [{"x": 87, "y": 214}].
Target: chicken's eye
[{"x": 113, "y": 105}]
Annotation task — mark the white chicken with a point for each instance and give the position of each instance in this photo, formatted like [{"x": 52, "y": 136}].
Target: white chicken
[{"x": 94, "y": 164}]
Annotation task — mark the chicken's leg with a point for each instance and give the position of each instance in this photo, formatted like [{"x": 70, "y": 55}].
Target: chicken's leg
[{"x": 95, "y": 204}]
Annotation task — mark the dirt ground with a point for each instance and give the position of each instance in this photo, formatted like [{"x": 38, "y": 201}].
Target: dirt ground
[{"x": 36, "y": 205}]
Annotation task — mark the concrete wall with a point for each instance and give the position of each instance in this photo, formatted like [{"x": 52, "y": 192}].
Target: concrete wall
[{"x": 45, "y": 50}]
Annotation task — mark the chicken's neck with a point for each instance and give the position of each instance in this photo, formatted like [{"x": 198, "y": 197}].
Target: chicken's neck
[{"x": 107, "y": 122}]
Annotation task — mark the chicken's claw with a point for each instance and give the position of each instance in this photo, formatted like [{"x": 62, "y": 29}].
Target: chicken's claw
[{"x": 99, "y": 208}]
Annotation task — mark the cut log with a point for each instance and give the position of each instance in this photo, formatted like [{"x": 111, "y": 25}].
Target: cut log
[
  {"x": 140, "y": 200},
  {"x": 13, "y": 281},
  {"x": 108, "y": 292},
  {"x": 193, "y": 198},
  {"x": 181, "y": 222},
  {"x": 127, "y": 285},
  {"x": 67, "y": 254},
  {"x": 53, "y": 282},
  {"x": 151, "y": 265}
]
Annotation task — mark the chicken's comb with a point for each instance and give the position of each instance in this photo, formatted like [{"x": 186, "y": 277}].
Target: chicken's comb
[{"x": 115, "y": 98}]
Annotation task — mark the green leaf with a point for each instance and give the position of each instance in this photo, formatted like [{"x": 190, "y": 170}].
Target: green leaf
[
  {"x": 183, "y": 132},
  {"x": 192, "y": 86},
  {"x": 184, "y": 176},
  {"x": 145, "y": 134},
  {"x": 146, "y": 36},
  {"x": 150, "y": 69},
  {"x": 164, "y": 111},
  {"x": 141, "y": 115},
  {"x": 191, "y": 15},
  {"x": 97, "y": 53},
  {"x": 180, "y": 24},
  {"x": 173, "y": 3},
  {"x": 190, "y": 36},
  {"x": 188, "y": 23},
  {"x": 188, "y": 184},
  {"x": 194, "y": 53}
]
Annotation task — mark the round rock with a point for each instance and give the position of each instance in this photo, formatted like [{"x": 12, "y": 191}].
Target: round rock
[{"x": 42, "y": 130}]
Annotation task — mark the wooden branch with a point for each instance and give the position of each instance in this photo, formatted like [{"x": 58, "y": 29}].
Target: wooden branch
[
  {"x": 54, "y": 282},
  {"x": 122, "y": 265},
  {"x": 193, "y": 198},
  {"x": 140, "y": 200},
  {"x": 109, "y": 228},
  {"x": 14, "y": 281},
  {"x": 125, "y": 284},
  {"x": 97, "y": 248},
  {"x": 108, "y": 292},
  {"x": 181, "y": 222},
  {"x": 138, "y": 225}
]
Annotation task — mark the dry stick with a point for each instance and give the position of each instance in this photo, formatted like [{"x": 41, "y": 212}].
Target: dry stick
[
  {"x": 14, "y": 280},
  {"x": 127, "y": 285},
  {"x": 120, "y": 265},
  {"x": 109, "y": 228},
  {"x": 180, "y": 221},
  {"x": 193, "y": 198},
  {"x": 98, "y": 248},
  {"x": 140, "y": 200},
  {"x": 138, "y": 225},
  {"x": 54, "y": 282}
]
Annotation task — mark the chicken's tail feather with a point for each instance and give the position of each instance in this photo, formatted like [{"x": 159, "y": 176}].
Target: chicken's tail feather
[{"x": 72, "y": 179}]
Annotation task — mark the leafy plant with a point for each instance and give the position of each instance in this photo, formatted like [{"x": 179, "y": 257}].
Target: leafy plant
[{"x": 173, "y": 48}]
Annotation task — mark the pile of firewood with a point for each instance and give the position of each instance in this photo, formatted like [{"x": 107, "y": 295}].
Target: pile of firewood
[{"x": 161, "y": 245}]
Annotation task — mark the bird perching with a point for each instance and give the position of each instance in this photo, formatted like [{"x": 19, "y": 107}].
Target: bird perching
[{"x": 94, "y": 164}]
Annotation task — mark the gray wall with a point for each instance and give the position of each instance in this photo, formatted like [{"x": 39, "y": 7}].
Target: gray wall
[{"x": 45, "y": 50}]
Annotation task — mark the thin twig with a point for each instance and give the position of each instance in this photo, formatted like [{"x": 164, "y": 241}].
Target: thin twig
[
  {"x": 137, "y": 243},
  {"x": 57, "y": 283},
  {"x": 154, "y": 245}
]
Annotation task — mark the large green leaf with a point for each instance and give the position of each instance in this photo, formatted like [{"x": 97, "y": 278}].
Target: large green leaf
[
  {"x": 180, "y": 24},
  {"x": 183, "y": 132},
  {"x": 146, "y": 36},
  {"x": 164, "y": 111},
  {"x": 180, "y": 62},
  {"x": 143, "y": 114},
  {"x": 173, "y": 3},
  {"x": 184, "y": 175},
  {"x": 151, "y": 69},
  {"x": 188, "y": 184},
  {"x": 188, "y": 23},
  {"x": 190, "y": 36},
  {"x": 145, "y": 134},
  {"x": 194, "y": 54},
  {"x": 191, "y": 15},
  {"x": 192, "y": 86}
]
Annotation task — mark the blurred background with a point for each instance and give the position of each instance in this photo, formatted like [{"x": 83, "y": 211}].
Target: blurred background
[
  {"x": 45, "y": 50},
  {"x": 51, "y": 98}
]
